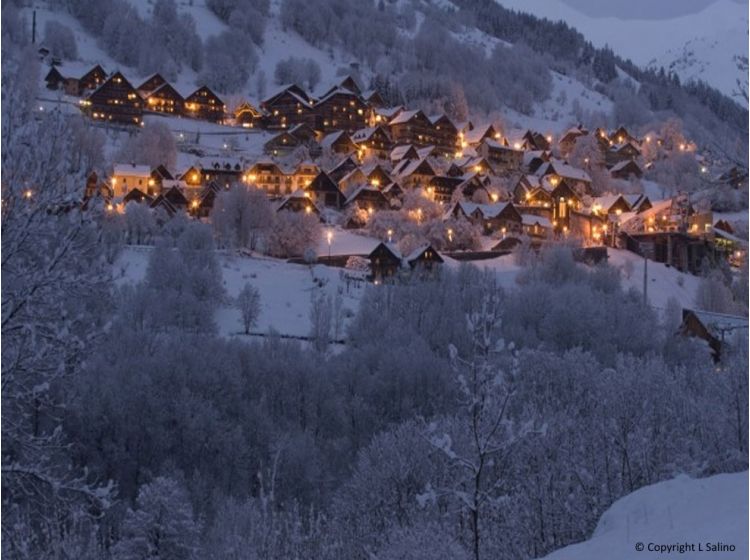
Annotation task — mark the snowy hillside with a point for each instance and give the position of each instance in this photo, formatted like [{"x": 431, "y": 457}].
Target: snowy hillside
[
  {"x": 679, "y": 511},
  {"x": 701, "y": 45}
]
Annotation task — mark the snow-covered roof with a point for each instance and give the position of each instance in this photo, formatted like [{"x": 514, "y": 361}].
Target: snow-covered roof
[
  {"x": 623, "y": 164},
  {"x": 404, "y": 116},
  {"x": 487, "y": 210},
  {"x": 398, "y": 152},
  {"x": 132, "y": 170},
  {"x": 412, "y": 166},
  {"x": 330, "y": 139},
  {"x": 531, "y": 219},
  {"x": 475, "y": 136},
  {"x": 356, "y": 192},
  {"x": 717, "y": 323},
  {"x": 606, "y": 201},
  {"x": 569, "y": 172}
]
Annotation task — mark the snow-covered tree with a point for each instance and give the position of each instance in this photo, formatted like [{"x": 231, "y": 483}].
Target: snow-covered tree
[
  {"x": 292, "y": 233},
  {"x": 154, "y": 145},
  {"x": 248, "y": 303},
  {"x": 241, "y": 217},
  {"x": 60, "y": 40},
  {"x": 162, "y": 525},
  {"x": 54, "y": 283}
]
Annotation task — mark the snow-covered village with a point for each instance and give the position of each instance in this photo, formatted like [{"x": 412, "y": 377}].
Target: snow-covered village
[{"x": 374, "y": 279}]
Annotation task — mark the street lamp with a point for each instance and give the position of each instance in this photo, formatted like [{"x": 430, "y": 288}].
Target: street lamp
[
  {"x": 390, "y": 235},
  {"x": 329, "y": 236}
]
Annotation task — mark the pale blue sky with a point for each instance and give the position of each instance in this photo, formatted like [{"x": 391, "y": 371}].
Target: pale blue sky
[{"x": 641, "y": 9}]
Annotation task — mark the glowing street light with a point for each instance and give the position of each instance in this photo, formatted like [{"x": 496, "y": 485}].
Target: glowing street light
[
  {"x": 390, "y": 235},
  {"x": 450, "y": 235},
  {"x": 329, "y": 237}
]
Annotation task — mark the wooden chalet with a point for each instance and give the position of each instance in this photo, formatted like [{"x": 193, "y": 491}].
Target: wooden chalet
[
  {"x": 289, "y": 106},
  {"x": 678, "y": 249},
  {"x": 500, "y": 217},
  {"x": 343, "y": 168},
  {"x": 92, "y": 79},
  {"x": 137, "y": 195},
  {"x": 717, "y": 329},
  {"x": 298, "y": 201},
  {"x": 176, "y": 198},
  {"x": 626, "y": 169},
  {"x": 503, "y": 159},
  {"x": 349, "y": 84},
  {"x": 247, "y": 115},
  {"x": 373, "y": 140},
  {"x": 477, "y": 135},
  {"x": 128, "y": 176},
  {"x": 355, "y": 178},
  {"x": 536, "y": 226},
  {"x": 224, "y": 172},
  {"x": 304, "y": 133},
  {"x": 622, "y": 136},
  {"x": 414, "y": 173},
  {"x": 412, "y": 127},
  {"x": 325, "y": 191},
  {"x": 536, "y": 140},
  {"x": 204, "y": 104},
  {"x": 608, "y": 205},
  {"x": 444, "y": 135},
  {"x": 556, "y": 171},
  {"x": 377, "y": 176},
  {"x": 165, "y": 99},
  {"x": 385, "y": 262},
  {"x": 96, "y": 187},
  {"x": 193, "y": 176},
  {"x": 393, "y": 192},
  {"x": 368, "y": 198},
  {"x": 116, "y": 101},
  {"x": 373, "y": 99},
  {"x": 618, "y": 153},
  {"x": 151, "y": 84},
  {"x": 442, "y": 187},
  {"x": 405, "y": 151},
  {"x": 202, "y": 204},
  {"x": 304, "y": 174},
  {"x": 338, "y": 143},
  {"x": 54, "y": 79},
  {"x": 339, "y": 109},
  {"x": 638, "y": 202},
  {"x": 268, "y": 176},
  {"x": 424, "y": 259},
  {"x": 282, "y": 144},
  {"x": 568, "y": 140},
  {"x": 565, "y": 199},
  {"x": 163, "y": 209},
  {"x": 156, "y": 180}
]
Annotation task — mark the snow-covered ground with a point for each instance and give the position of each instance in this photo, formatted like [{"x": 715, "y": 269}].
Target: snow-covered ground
[
  {"x": 286, "y": 290},
  {"x": 664, "y": 281},
  {"x": 705, "y": 512}
]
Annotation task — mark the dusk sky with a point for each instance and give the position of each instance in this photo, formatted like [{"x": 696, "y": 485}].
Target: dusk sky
[{"x": 642, "y": 9}]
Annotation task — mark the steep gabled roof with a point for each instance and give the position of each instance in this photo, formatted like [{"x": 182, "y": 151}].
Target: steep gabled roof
[{"x": 323, "y": 183}]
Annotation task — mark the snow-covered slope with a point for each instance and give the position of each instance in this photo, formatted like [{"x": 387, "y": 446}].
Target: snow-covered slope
[
  {"x": 700, "y": 45},
  {"x": 706, "y": 512}
]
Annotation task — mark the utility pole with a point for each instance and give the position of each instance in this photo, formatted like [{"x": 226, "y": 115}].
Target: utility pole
[
  {"x": 645, "y": 280},
  {"x": 33, "y": 27}
]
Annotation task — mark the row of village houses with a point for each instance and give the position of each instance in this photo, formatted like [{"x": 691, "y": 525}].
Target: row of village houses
[
  {"x": 552, "y": 200},
  {"x": 344, "y": 120}
]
